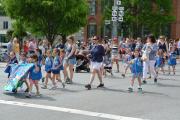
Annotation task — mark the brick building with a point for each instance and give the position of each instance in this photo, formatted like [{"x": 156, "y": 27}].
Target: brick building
[
  {"x": 175, "y": 27},
  {"x": 94, "y": 26}
]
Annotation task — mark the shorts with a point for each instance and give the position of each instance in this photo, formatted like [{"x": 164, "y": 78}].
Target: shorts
[
  {"x": 55, "y": 71},
  {"x": 96, "y": 65},
  {"x": 70, "y": 61},
  {"x": 61, "y": 68},
  {"x": 49, "y": 71},
  {"x": 33, "y": 81},
  {"x": 137, "y": 75},
  {"x": 115, "y": 56}
]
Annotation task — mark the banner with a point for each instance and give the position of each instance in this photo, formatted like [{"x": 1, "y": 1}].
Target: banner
[{"x": 18, "y": 72}]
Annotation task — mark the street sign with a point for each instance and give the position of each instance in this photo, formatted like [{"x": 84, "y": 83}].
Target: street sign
[
  {"x": 117, "y": 12},
  {"x": 107, "y": 22},
  {"x": 118, "y": 2}
]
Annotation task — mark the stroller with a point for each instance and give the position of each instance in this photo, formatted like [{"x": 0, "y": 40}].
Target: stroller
[
  {"x": 82, "y": 63},
  {"x": 107, "y": 64}
]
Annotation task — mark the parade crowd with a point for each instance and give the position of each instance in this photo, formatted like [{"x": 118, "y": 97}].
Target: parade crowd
[{"x": 144, "y": 58}]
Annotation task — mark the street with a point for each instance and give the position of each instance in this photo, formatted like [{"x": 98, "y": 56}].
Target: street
[{"x": 159, "y": 101}]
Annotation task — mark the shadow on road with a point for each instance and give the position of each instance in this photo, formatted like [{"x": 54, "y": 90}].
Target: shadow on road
[
  {"x": 167, "y": 85},
  {"x": 22, "y": 96}
]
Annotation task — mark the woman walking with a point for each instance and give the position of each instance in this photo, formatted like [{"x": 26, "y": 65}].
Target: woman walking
[
  {"x": 149, "y": 57},
  {"x": 97, "y": 53},
  {"x": 70, "y": 59}
]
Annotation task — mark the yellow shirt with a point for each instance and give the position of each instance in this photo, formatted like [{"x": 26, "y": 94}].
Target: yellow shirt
[{"x": 16, "y": 48}]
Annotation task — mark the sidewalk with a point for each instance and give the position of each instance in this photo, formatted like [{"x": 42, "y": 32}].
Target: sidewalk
[{"x": 2, "y": 64}]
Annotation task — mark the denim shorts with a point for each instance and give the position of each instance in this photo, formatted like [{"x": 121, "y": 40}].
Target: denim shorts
[{"x": 70, "y": 61}]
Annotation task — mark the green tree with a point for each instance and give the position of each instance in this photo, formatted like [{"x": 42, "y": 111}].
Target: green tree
[
  {"x": 49, "y": 17},
  {"x": 2, "y": 12},
  {"x": 154, "y": 15}
]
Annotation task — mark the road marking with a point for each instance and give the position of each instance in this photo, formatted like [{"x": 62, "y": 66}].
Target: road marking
[{"x": 69, "y": 110}]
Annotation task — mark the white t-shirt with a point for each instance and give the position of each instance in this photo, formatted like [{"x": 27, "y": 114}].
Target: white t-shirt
[{"x": 178, "y": 45}]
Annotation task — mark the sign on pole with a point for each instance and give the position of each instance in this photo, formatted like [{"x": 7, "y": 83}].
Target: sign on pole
[{"x": 117, "y": 12}]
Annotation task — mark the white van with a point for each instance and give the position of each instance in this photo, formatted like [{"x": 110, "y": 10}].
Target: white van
[{"x": 3, "y": 47}]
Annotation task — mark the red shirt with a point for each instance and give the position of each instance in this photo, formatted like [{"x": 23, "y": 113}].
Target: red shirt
[{"x": 25, "y": 48}]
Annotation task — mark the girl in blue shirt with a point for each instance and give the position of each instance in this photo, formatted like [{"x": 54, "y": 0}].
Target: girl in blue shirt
[
  {"x": 127, "y": 58},
  {"x": 172, "y": 60},
  {"x": 34, "y": 75},
  {"x": 137, "y": 66},
  {"x": 56, "y": 67},
  {"x": 160, "y": 61},
  {"x": 48, "y": 67},
  {"x": 23, "y": 61},
  {"x": 13, "y": 60}
]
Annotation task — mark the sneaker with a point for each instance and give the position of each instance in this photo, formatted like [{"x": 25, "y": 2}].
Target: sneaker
[
  {"x": 53, "y": 88},
  {"x": 149, "y": 77},
  {"x": 130, "y": 89},
  {"x": 155, "y": 80},
  {"x": 27, "y": 90},
  {"x": 123, "y": 75},
  {"x": 144, "y": 82},
  {"x": 139, "y": 89},
  {"x": 43, "y": 79},
  {"x": 69, "y": 82},
  {"x": 100, "y": 85},
  {"x": 63, "y": 84},
  {"x": 88, "y": 86},
  {"x": 28, "y": 95},
  {"x": 44, "y": 87},
  {"x": 38, "y": 94}
]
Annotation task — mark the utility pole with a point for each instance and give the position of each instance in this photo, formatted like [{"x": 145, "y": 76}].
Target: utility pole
[
  {"x": 117, "y": 16},
  {"x": 114, "y": 19}
]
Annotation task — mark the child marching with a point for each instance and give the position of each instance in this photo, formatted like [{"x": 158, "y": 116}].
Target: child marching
[
  {"x": 172, "y": 60},
  {"x": 34, "y": 75},
  {"x": 137, "y": 67},
  {"x": 48, "y": 67},
  {"x": 57, "y": 64}
]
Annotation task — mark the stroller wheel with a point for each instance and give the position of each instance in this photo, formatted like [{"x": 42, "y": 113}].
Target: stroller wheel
[
  {"x": 14, "y": 91},
  {"x": 88, "y": 70},
  {"x": 77, "y": 71}
]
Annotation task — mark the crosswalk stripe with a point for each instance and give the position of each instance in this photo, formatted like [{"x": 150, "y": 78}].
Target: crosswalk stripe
[{"x": 69, "y": 110}]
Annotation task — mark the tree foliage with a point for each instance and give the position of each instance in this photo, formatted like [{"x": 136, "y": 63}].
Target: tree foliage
[
  {"x": 154, "y": 15},
  {"x": 49, "y": 17}
]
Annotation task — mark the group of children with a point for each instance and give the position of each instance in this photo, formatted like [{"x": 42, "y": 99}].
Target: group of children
[
  {"x": 134, "y": 61},
  {"x": 53, "y": 65}
]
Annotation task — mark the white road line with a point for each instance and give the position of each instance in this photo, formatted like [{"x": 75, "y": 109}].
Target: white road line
[{"x": 69, "y": 110}]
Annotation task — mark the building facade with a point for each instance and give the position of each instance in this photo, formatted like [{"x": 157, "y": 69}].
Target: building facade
[
  {"x": 5, "y": 25},
  {"x": 94, "y": 26},
  {"x": 175, "y": 27}
]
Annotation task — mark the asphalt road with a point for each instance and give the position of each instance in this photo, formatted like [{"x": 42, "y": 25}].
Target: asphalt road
[{"x": 157, "y": 102}]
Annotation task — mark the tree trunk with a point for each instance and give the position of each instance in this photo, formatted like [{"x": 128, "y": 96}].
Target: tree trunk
[{"x": 63, "y": 38}]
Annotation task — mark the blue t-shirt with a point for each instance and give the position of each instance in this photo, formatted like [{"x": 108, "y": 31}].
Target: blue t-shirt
[
  {"x": 40, "y": 57},
  {"x": 137, "y": 66},
  {"x": 56, "y": 62},
  {"x": 48, "y": 64},
  {"x": 159, "y": 61},
  {"x": 35, "y": 75},
  {"x": 172, "y": 59},
  {"x": 97, "y": 53}
]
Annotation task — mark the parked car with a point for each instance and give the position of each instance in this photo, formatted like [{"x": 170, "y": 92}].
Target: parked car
[{"x": 3, "y": 50}]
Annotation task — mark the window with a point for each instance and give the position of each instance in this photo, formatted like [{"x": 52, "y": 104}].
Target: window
[
  {"x": 5, "y": 25},
  {"x": 92, "y": 7},
  {"x": 92, "y": 29}
]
